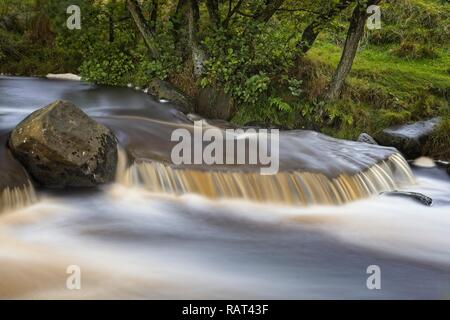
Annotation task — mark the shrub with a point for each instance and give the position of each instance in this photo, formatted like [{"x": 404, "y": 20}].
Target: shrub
[{"x": 107, "y": 65}]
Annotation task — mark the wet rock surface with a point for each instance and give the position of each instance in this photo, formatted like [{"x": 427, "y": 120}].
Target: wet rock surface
[
  {"x": 366, "y": 138},
  {"x": 423, "y": 199},
  {"x": 409, "y": 139},
  {"x": 215, "y": 104},
  {"x": 61, "y": 146},
  {"x": 164, "y": 90}
]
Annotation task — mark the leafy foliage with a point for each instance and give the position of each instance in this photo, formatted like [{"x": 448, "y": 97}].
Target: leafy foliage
[
  {"x": 107, "y": 65},
  {"x": 400, "y": 73}
]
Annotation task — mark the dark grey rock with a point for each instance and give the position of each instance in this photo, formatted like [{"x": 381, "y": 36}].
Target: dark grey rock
[
  {"x": 413, "y": 195},
  {"x": 366, "y": 138},
  {"x": 165, "y": 90},
  {"x": 214, "y": 103},
  {"x": 409, "y": 139},
  {"x": 444, "y": 164},
  {"x": 61, "y": 146}
]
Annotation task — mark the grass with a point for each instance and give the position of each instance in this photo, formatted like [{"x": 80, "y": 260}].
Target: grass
[
  {"x": 401, "y": 77},
  {"x": 384, "y": 89}
]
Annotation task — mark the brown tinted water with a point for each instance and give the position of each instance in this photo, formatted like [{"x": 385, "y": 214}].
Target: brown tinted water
[{"x": 164, "y": 231}]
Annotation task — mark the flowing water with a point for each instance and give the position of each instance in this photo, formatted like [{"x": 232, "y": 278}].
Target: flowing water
[{"x": 162, "y": 231}]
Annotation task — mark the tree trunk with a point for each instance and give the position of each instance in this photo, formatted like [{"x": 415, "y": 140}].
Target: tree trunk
[
  {"x": 111, "y": 21},
  {"x": 153, "y": 16},
  {"x": 354, "y": 35},
  {"x": 178, "y": 19},
  {"x": 271, "y": 7},
  {"x": 311, "y": 32},
  {"x": 111, "y": 28},
  {"x": 231, "y": 12},
  {"x": 198, "y": 56},
  {"x": 213, "y": 11},
  {"x": 141, "y": 23}
]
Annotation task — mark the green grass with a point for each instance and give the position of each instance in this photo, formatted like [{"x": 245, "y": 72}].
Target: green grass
[
  {"x": 401, "y": 77},
  {"x": 384, "y": 89}
]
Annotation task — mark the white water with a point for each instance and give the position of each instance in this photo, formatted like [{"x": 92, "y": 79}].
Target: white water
[
  {"x": 134, "y": 244},
  {"x": 131, "y": 243}
]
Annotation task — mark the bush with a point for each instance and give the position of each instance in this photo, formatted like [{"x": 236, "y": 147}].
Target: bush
[
  {"x": 107, "y": 65},
  {"x": 167, "y": 63},
  {"x": 252, "y": 63}
]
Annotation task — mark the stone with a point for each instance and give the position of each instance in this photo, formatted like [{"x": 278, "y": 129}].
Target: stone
[
  {"x": 366, "y": 138},
  {"x": 164, "y": 90},
  {"x": 214, "y": 103},
  {"x": 425, "y": 200},
  {"x": 409, "y": 139},
  {"x": 61, "y": 146}
]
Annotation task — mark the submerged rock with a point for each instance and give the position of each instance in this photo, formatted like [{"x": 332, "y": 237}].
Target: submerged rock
[
  {"x": 425, "y": 200},
  {"x": 366, "y": 138},
  {"x": 409, "y": 139},
  {"x": 61, "y": 146}
]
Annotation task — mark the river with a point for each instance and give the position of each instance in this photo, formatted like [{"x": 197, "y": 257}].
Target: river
[{"x": 134, "y": 241}]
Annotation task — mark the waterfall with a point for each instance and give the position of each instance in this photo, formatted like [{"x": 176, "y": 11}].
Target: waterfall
[
  {"x": 17, "y": 197},
  {"x": 289, "y": 187}
]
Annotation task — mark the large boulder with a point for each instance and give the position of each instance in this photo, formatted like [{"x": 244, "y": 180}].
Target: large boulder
[
  {"x": 409, "y": 139},
  {"x": 61, "y": 146}
]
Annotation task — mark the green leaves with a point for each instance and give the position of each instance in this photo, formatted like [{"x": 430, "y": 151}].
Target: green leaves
[
  {"x": 280, "y": 104},
  {"x": 106, "y": 65},
  {"x": 251, "y": 62},
  {"x": 254, "y": 87},
  {"x": 294, "y": 87}
]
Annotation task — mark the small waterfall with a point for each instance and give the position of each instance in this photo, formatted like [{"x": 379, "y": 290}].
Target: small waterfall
[
  {"x": 290, "y": 187},
  {"x": 16, "y": 197},
  {"x": 126, "y": 173}
]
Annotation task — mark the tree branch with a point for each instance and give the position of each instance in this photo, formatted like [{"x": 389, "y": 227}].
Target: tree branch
[
  {"x": 141, "y": 23},
  {"x": 213, "y": 11},
  {"x": 312, "y": 31},
  {"x": 231, "y": 12},
  {"x": 271, "y": 7}
]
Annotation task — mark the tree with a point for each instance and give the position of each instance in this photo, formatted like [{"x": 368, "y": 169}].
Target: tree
[
  {"x": 269, "y": 10},
  {"x": 213, "y": 11},
  {"x": 354, "y": 35},
  {"x": 145, "y": 30},
  {"x": 317, "y": 25}
]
